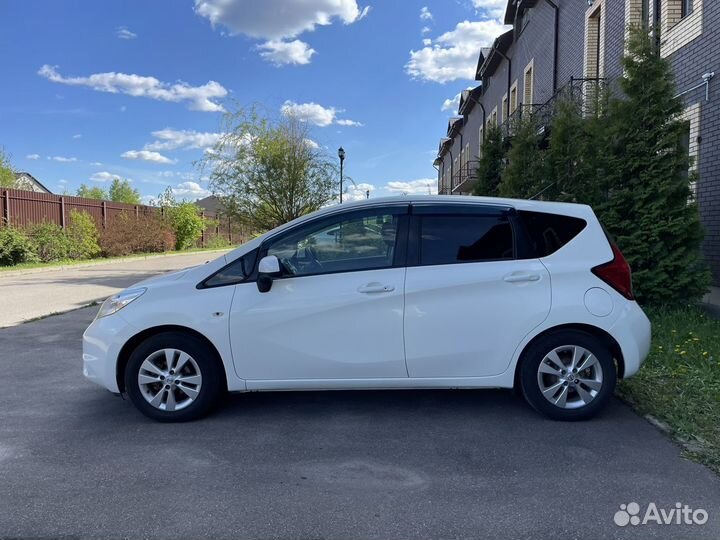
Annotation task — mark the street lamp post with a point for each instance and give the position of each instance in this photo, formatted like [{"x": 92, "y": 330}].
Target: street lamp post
[{"x": 341, "y": 155}]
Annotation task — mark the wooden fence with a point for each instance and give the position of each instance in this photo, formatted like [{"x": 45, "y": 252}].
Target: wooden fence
[{"x": 20, "y": 208}]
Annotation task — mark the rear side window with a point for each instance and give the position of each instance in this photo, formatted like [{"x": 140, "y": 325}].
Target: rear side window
[
  {"x": 464, "y": 238},
  {"x": 547, "y": 233},
  {"x": 235, "y": 272}
]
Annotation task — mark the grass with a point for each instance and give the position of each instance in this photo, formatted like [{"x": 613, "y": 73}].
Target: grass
[
  {"x": 73, "y": 262},
  {"x": 679, "y": 384}
]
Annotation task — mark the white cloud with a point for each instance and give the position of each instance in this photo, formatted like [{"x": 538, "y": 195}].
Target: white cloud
[
  {"x": 425, "y": 30},
  {"x": 32, "y": 156},
  {"x": 277, "y": 19},
  {"x": 350, "y": 123},
  {"x": 425, "y": 14},
  {"x": 316, "y": 114},
  {"x": 199, "y": 98},
  {"x": 278, "y": 22},
  {"x": 77, "y": 136},
  {"x": 172, "y": 139},
  {"x": 147, "y": 155},
  {"x": 104, "y": 176},
  {"x": 427, "y": 42},
  {"x": 311, "y": 144},
  {"x": 424, "y": 186},
  {"x": 62, "y": 159},
  {"x": 357, "y": 192},
  {"x": 282, "y": 53},
  {"x": 122, "y": 32},
  {"x": 190, "y": 190},
  {"x": 491, "y": 8},
  {"x": 454, "y": 54},
  {"x": 453, "y": 103},
  {"x": 96, "y": 164}
]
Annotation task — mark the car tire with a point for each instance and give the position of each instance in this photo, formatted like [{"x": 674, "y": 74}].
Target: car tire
[
  {"x": 568, "y": 375},
  {"x": 174, "y": 377}
]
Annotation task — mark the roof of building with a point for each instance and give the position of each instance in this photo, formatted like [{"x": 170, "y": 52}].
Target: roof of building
[
  {"x": 210, "y": 204},
  {"x": 513, "y": 7},
  {"x": 454, "y": 126},
  {"x": 500, "y": 46},
  {"x": 38, "y": 182},
  {"x": 468, "y": 99}
]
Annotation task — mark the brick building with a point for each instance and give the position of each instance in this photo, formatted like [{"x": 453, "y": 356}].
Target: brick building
[{"x": 556, "y": 47}]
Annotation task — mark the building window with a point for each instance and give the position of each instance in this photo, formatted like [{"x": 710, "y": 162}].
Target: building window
[
  {"x": 529, "y": 84},
  {"x": 595, "y": 43},
  {"x": 645, "y": 14},
  {"x": 686, "y": 7},
  {"x": 481, "y": 135},
  {"x": 504, "y": 113},
  {"x": 513, "y": 97}
]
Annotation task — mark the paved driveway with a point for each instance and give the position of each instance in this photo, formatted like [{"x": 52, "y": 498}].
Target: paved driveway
[
  {"x": 34, "y": 294},
  {"x": 76, "y": 461}
]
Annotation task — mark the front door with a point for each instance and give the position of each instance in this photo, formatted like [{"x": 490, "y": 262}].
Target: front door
[
  {"x": 337, "y": 311},
  {"x": 468, "y": 301}
]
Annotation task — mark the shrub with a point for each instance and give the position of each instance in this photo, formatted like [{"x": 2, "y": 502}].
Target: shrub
[
  {"x": 51, "y": 242},
  {"x": 127, "y": 234},
  {"x": 187, "y": 224},
  {"x": 82, "y": 236},
  {"x": 217, "y": 242},
  {"x": 15, "y": 247}
]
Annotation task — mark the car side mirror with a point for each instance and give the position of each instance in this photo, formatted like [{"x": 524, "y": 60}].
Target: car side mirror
[{"x": 268, "y": 268}]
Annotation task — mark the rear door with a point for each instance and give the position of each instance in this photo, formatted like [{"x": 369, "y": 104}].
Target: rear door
[{"x": 469, "y": 300}]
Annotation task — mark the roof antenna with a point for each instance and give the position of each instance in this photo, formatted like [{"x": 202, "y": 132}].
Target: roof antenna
[{"x": 543, "y": 190}]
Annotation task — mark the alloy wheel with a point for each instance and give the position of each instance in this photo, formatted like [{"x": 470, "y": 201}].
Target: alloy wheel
[
  {"x": 169, "y": 379},
  {"x": 570, "y": 377}
]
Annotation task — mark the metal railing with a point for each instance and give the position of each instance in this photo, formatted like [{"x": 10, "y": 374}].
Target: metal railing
[{"x": 467, "y": 173}]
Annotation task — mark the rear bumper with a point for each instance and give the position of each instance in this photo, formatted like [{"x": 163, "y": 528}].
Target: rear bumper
[
  {"x": 632, "y": 330},
  {"x": 102, "y": 342}
]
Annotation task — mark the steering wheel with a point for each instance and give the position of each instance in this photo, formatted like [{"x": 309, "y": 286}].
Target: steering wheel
[{"x": 289, "y": 265}]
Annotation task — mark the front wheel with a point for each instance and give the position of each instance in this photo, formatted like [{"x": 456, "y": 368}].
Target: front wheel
[
  {"x": 568, "y": 375},
  {"x": 173, "y": 377}
]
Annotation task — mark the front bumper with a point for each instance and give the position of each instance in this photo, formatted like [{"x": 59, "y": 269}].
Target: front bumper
[{"x": 102, "y": 342}]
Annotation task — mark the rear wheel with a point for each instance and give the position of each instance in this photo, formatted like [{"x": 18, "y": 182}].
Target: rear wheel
[
  {"x": 568, "y": 375},
  {"x": 173, "y": 377}
]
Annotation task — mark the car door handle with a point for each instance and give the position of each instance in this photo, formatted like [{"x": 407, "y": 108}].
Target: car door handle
[
  {"x": 375, "y": 288},
  {"x": 519, "y": 278}
]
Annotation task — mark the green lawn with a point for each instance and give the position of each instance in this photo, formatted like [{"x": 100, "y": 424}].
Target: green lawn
[
  {"x": 679, "y": 384},
  {"x": 73, "y": 262}
]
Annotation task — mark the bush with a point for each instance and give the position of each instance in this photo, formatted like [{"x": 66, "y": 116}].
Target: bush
[
  {"x": 127, "y": 234},
  {"x": 187, "y": 224},
  {"x": 82, "y": 236},
  {"x": 51, "y": 242},
  {"x": 15, "y": 247},
  {"x": 217, "y": 242}
]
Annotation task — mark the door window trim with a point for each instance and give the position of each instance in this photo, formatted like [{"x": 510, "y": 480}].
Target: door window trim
[
  {"x": 401, "y": 239},
  {"x": 455, "y": 210}
]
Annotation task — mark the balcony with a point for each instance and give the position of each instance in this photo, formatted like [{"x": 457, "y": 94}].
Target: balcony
[
  {"x": 464, "y": 179},
  {"x": 585, "y": 94}
]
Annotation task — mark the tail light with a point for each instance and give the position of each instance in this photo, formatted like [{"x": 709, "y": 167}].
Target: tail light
[{"x": 616, "y": 273}]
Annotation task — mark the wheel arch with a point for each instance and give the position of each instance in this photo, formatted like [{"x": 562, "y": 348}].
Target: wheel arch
[
  {"x": 599, "y": 333},
  {"x": 132, "y": 343}
]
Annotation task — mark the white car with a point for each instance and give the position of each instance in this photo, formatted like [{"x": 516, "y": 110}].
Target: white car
[{"x": 407, "y": 292}]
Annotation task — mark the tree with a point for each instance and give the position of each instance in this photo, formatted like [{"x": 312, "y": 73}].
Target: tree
[
  {"x": 7, "y": 176},
  {"x": 94, "y": 192},
  {"x": 490, "y": 166},
  {"x": 649, "y": 209},
  {"x": 524, "y": 176},
  {"x": 267, "y": 172},
  {"x": 183, "y": 217},
  {"x": 121, "y": 191}
]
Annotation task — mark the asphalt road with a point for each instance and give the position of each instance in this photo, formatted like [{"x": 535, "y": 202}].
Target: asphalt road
[
  {"x": 28, "y": 295},
  {"x": 77, "y": 462}
]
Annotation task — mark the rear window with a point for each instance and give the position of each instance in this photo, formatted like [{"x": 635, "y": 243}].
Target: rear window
[
  {"x": 547, "y": 233},
  {"x": 464, "y": 238}
]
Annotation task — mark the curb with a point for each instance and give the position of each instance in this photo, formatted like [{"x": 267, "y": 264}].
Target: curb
[{"x": 62, "y": 268}]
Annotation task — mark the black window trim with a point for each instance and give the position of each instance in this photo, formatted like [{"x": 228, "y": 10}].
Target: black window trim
[
  {"x": 204, "y": 284},
  {"x": 454, "y": 210}
]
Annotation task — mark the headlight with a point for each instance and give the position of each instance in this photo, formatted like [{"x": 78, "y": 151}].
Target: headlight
[{"x": 117, "y": 302}]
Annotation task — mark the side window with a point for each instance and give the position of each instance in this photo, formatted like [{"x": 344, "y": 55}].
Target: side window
[
  {"x": 235, "y": 272},
  {"x": 547, "y": 233},
  {"x": 363, "y": 242},
  {"x": 465, "y": 238}
]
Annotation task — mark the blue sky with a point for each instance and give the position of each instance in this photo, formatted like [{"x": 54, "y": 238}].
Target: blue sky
[{"x": 136, "y": 88}]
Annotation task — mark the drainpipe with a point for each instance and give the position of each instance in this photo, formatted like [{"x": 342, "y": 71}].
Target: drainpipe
[
  {"x": 555, "y": 44},
  {"x": 438, "y": 171},
  {"x": 482, "y": 108}
]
